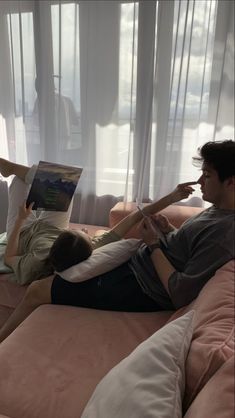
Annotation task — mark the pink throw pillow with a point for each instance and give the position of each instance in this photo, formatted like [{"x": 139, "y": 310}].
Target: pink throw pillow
[
  {"x": 212, "y": 343},
  {"x": 216, "y": 399}
]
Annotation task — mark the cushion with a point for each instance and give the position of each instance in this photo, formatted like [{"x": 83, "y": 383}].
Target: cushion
[
  {"x": 212, "y": 342},
  {"x": 59, "y": 354},
  {"x": 216, "y": 399},
  {"x": 150, "y": 381},
  {"x": 10, "y": 295},
  {"x": 102, "y": 260}
]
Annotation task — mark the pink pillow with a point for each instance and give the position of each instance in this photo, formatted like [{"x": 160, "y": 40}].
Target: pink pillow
[
  {"x": 212, "y": 342},
  {"x": 216, "y": 399}
]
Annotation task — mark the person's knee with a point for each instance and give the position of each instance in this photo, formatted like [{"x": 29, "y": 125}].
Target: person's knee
[
  {"x": 38, "y": 293},
  {"x": 33, "y": 294}
]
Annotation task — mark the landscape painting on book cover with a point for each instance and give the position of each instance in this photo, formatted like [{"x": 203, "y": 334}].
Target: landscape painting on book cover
[{"x": 53, "y": 186}]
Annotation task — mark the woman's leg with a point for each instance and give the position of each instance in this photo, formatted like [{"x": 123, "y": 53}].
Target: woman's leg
[
  {"x": 7, "y": 168},
  {"x": 38, "y": 293},
  {"x": 58, "y": 219},
  {"x": 18, "y": 190}
]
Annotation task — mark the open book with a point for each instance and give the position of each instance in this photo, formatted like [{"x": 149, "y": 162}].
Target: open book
[{"x": 53, "y": 186}]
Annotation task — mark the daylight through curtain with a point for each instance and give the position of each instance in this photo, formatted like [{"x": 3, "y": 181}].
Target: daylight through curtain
[{"x": 127, "y": 90}]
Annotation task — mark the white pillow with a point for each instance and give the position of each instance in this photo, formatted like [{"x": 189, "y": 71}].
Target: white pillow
[
  {"x": 102, "y": 260},
  {"x": 149, "y": 383}
]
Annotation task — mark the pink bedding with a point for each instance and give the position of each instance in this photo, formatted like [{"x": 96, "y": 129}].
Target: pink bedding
[{"x": 64, "y": 352}]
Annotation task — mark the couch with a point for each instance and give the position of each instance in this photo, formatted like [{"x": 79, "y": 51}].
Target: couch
[{"x": 51, "y": 364}]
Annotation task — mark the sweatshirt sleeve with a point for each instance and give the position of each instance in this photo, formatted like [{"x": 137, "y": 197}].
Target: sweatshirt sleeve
[{"x": 185, "y": 286}]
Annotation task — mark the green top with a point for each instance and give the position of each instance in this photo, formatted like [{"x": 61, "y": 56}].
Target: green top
[{"x": 34, "y": 246}]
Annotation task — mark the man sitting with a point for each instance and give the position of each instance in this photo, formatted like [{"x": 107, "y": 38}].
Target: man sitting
[{"x": 157, "y": 277}]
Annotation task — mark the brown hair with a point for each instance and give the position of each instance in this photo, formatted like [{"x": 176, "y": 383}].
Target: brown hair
[
  {"x": 220, "y": 155},
  {"x": 68, "y": 249}
]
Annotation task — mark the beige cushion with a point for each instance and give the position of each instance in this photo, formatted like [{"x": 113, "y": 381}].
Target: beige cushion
[
  {"x": 150, "y": 381},
  {"x": 102, "y": 260}
]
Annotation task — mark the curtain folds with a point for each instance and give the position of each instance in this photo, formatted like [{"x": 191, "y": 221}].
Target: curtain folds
[{"x": 127, "y": 90}]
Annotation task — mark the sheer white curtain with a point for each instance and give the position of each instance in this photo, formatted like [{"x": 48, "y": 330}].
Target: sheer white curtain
[
  {"x": 193, "y": 94},
  {"x": 127, "y": 90}
]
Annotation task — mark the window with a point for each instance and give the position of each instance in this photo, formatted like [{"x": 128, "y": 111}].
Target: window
[{"x": 127, "y": 90}]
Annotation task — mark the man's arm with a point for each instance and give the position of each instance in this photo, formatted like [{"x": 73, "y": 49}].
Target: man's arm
[
  {"x": 161, "y": 264},
  {"x": 205, "y": 259},
  {"x": 163, "y": 267},
  {"x": 182, "y": 191},
  {"x": 13, "y": 241}
]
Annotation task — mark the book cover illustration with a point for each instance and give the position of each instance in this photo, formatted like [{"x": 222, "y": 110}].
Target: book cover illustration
[{"x": 53, "y": 186}]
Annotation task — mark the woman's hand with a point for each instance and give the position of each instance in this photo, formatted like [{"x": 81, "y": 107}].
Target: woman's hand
[
  {"x": 24, "y": 211},
  {"x": 182, "y": 191}
]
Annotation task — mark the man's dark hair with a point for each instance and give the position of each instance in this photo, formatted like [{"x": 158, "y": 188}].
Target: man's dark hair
[
  {"x": 69, "y": 248},
  {"x": 220, "y": 155}
]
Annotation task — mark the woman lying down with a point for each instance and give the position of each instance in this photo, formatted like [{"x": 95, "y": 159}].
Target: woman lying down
[{"x": 157, "y": 275}]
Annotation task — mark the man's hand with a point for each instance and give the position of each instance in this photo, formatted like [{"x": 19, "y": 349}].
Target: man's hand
[
  {"x": 148, "y": 232},
  {"x": 163, "y": 223},
  {"x": 24, "y": 211},
  {"x": 182, "y": 191}
]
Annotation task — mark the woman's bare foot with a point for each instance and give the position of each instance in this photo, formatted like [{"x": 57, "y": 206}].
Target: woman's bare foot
[{"x": 6, "y": 167}]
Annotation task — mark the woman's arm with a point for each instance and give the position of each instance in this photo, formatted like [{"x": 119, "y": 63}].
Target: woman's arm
[
  {"x": 13, "y": 240},
  {"x": 182, "y": 191}
]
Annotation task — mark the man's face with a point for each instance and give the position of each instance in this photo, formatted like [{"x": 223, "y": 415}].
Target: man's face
[{"x": 211, "y": 187}]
